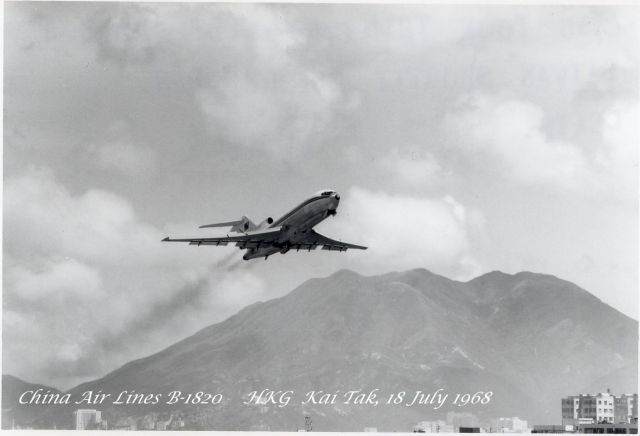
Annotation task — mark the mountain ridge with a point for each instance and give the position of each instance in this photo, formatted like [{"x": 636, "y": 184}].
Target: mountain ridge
[{"x": 526, "y": 333}]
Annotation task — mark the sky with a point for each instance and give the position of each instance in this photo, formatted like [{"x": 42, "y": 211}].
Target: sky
[{"x": 462, "y": 139}]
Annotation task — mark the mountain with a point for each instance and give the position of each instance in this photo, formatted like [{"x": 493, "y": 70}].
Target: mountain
[
  {"x": 617, "y": 381},
  {"x": 528, "y": 338},
  {"x": 12, "y": 411}
]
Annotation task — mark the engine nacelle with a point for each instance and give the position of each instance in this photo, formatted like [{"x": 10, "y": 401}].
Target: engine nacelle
[
  {"x": 244, "y": 225},
  {"x": 266, "y": 222}
]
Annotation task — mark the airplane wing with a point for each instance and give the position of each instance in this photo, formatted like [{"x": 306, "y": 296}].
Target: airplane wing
[
  {"x": 244, "y": 240},
  {"x": 316, "y": 239}
]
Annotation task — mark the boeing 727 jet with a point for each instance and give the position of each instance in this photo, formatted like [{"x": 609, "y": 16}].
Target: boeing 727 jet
[{"x": 293, "y": 231}]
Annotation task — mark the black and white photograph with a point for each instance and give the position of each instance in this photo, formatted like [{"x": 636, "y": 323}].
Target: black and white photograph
[{"x": 329, "y": 217}]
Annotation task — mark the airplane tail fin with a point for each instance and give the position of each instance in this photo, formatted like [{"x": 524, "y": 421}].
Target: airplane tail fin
[{"x": 242, "y": 225}]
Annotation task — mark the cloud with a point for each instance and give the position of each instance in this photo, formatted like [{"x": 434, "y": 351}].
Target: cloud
[
  {"x": 288, "y": 113},
  {"x": 247, "y": 83},
  {"x": 270, "y": 102},
  {"x": 510, "y": 131},
  {"x": 46, "y": 220},
  {"x": 405, "y": 232},
  {"x": 88, "y": 285},
  {"x": 618, "y": 156},
  {"x": 412, "y": 168},
  {"x": 508, "y": 135},
  {"x": 67, "y": 277},
  {"x": 238, "y": 288},
  {"x": 125, "y": 35},
  {"x": 217, "y": 95},
  {"x": 125, "y": 158}
]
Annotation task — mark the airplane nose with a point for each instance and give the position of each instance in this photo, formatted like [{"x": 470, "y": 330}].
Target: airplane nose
[{"x": 335, "y": 201}]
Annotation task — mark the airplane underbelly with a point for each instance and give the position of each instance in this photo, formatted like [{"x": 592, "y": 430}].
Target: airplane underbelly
[{"x": 253, "y": 253}]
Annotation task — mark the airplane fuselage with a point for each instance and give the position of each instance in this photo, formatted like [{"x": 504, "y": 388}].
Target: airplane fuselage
[
  {"x": 296, "y": 223},
  {"x": 293, "y": 231}
]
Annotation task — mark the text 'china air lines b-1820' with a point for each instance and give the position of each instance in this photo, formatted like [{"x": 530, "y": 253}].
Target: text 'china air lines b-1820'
[{"x": 293, "y": 231}]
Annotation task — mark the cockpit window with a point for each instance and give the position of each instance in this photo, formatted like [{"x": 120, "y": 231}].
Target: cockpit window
[{"x": 325, "y": 193}]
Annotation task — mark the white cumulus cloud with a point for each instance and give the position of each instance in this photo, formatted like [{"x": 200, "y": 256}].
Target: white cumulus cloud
[
  {"x": 250, "y": 86},
  {"x": 412, "y": 168},
  {"x": 618, "y": 156},
  {"x": 405, "y": 232},
  {"x": 511, "y": 131},
  {"x": 88, "y": 285}
]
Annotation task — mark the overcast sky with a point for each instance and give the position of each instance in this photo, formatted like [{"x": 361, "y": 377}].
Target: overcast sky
[{"x": 461, "y": 139}]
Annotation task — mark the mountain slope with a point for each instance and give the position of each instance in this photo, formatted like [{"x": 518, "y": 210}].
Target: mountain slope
[
  {"x": 12, "y": 411},
  {"x": 529, "y": 338}
]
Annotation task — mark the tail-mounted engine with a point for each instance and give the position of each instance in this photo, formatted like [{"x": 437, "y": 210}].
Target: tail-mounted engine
[
  {"x": 244, "y": 225},
  {"x": 266, "y": 223}
]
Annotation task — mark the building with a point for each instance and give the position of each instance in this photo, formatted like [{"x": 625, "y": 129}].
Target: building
[
  {"x": 552, "y": 429},
  {"x": 162, "y": 425},
  {"x": 177, "y": 424},
  {"x": 511, "y": 425},
  {"x": 623, "y": 428},
  {"x": 462, "y": 419},
  {"x": 626, "y": 409},
  {"x": 87, "y": 419},
  {"x": 602, "y": 408},
  {"x": 128, "y": 423},
  {"x": 570, "y": 410},
  {"x": 603, "y": 428},
  {"x": 438, "y": 426},
  {"x": 595, "y": 408}
]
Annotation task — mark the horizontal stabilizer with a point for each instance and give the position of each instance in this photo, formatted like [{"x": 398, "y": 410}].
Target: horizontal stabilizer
[{"x": 227, "y": 224}]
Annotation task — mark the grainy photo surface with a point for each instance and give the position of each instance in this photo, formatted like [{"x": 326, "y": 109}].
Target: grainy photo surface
[{"x": 320, "y": 217}]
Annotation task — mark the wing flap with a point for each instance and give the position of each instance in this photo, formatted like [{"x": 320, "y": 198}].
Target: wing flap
[
  {"x": 253, "y": 244},
  {"x": 333, "y": 248},
  {"x": 304, "y": 246},
  {"x": 264, "y": 237}
]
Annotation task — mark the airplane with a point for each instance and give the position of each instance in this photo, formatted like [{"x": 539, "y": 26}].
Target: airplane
[{"x": 293, "y": 231}]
